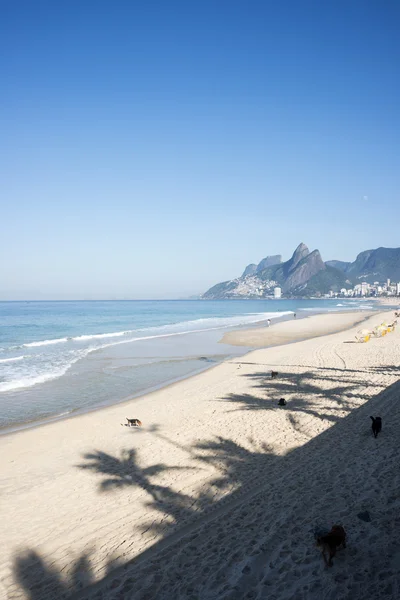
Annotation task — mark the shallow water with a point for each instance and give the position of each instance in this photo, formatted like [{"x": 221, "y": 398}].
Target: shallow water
[{"x": 62, "y": 357}]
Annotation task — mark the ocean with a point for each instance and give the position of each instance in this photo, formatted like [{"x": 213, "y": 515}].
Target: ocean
[{"x": 60, "y": 358}]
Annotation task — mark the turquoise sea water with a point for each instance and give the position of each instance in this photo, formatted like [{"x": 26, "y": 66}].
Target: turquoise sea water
[{"x": 60, "y": 357}]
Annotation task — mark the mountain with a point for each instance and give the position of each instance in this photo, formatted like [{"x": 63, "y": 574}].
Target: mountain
[
  {"x": 306, "y": 274},
  {"x": 293, "y": 276},
  {"x": 323, "y": 282},
  {"x": 338, "y": 264},
  {"x": 308, "y": 266},
  {"x": 374, "y": 265},
  {"x": 268, "y": 261},
  {"x": 296, "y": 271},
  {"x": 249, "y": 270}
]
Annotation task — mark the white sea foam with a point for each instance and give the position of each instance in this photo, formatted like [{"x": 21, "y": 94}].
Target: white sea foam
[
  {"x": 14, "y": 359},
  {"x": 98, "y": 336},
  {"x": 49, "y": 366},
  {"x": 8, "y": 386},
  {"x": 51, "y": 371},
  {"x": 45, "y": 343},
  {"x": 187, "y": 326}
]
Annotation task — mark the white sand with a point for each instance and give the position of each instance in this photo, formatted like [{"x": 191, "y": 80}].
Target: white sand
[
  {"x": 294, "y": 329},
  {"x": 219, "y": 494}
]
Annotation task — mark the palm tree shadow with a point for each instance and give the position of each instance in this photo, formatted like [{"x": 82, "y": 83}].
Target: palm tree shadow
[
  {"x": 126, "y": 471},
  {"x": 123, "y": 471},
  {"x": 39, "y": 579},
  {"x": 316, "y": 385},
  {"x": 235, "y": 465},
  {"x": 231, "y": 461}
]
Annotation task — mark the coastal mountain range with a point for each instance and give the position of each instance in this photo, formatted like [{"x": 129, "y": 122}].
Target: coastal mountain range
[{"x": 306, "y": 274}]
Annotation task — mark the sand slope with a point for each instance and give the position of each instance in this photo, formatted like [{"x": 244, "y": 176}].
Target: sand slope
[
  {"x": 292, "y": 330},
  {"x": 220, "y": 493}
]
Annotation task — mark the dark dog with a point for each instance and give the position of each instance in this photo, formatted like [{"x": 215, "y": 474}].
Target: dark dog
[
  {"x": 282, "y": 402},
  {"x": 132, "y": 423},
  {"x": 376, "y": 425},
  {"x": 329, "y": 543},
  {"x": 274, "y": 374}
]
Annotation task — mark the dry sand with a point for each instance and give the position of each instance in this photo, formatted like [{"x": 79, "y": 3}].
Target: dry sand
[
  {"x": 294, "y": 330},
  {"x": 219, "y": 494}
]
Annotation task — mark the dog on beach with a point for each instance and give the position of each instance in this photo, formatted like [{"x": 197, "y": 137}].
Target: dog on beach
[
  {"x": 282, "y": 402},
  {"x": 132, "y": 423},
  {"x": 274, "y": 374},
  {"x": 329, "y": 543},
  {"x": 376, "y": 425}
]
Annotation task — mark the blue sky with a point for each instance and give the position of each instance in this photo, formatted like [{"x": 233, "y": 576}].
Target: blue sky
[{"x": 152, "y": 149}]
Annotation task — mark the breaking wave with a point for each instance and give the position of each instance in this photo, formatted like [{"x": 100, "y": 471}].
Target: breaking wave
[{"x": 58, "y": 355}]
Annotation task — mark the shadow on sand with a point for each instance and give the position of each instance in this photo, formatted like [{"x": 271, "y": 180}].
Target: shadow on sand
[{"x": 235, "y": 465}]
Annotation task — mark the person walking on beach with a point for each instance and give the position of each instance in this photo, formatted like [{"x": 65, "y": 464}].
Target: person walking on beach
[
  {"x": 294, "y": 315},
  {"x": 268, "y": 322}
]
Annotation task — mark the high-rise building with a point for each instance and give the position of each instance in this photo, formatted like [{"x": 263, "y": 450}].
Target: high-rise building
[{"x": 277, "y": 292}]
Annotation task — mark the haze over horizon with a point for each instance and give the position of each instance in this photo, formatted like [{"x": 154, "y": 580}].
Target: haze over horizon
[{"x": 151, "y": 151}]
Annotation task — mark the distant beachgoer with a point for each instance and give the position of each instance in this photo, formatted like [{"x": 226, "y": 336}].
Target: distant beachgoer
[
  {"x": 294, "y": 315},
  {"x": 268, "y": 322}
]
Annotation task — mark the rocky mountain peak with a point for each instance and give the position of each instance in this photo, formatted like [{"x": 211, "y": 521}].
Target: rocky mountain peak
[
  {"x": 305, "y": 268},
  {"x": 269, "y": 261},
  {"x": 306, "y": 274},
  {"x": 249, "y": 270},
  {"x": 301, "y": 252}
]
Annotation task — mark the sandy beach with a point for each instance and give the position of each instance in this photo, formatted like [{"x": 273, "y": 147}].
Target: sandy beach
[
  {"x": 219, "y": 494},
  {"x": 293, "y": 330}
]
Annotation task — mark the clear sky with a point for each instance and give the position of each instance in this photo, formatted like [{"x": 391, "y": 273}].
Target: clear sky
[{"x": 152, "y": 149}]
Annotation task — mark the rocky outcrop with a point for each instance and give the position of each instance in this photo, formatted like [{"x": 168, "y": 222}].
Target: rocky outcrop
[
  {"x": 249, "y": 270},
  {"x": 379, "y": 264},
  {"x": 301, "y": 252},
  {"x": 338, "y": 264},
  {"x": 323, "y": 282},
  {"x": 303, "y": 268},
  {"x": 269, "y": 261},
  {"x": 371, "y": 265},
  {"x": 221, "y": 291}
]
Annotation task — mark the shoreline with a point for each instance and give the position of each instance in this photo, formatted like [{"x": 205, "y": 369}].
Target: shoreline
[
  {"x": 79, "y": 412},
  {"x": 282, "y": 333},
  {"x": 215, "y": 445},
  {"x": 238, "y": 337}
]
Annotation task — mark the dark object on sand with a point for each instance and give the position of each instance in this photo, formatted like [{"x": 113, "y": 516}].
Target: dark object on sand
[
  {"x": 274, "y": 374},
  {"x": 364, "y": 516},
  {"x": 376, "y": 425},
  {"x": 320, "y": 531},
  {"x": 132, "y": 423},
  {"x": 329, "y": 543},
  {"x": 282, "y": 402}
]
